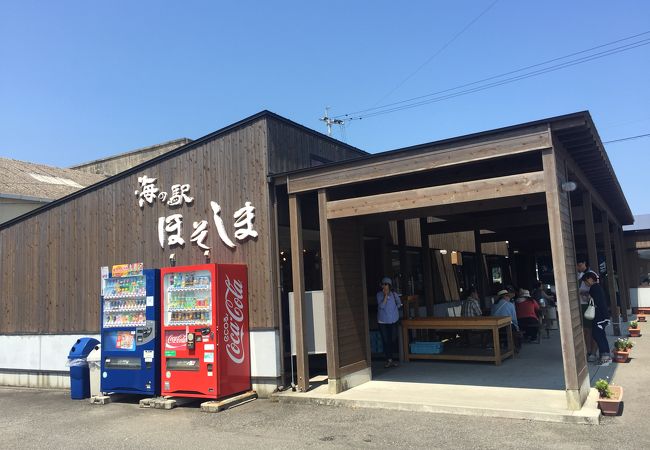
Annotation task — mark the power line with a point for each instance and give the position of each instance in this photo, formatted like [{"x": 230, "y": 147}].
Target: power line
[
  {"x": 408, "y": 103},
  {"x": 440, "y": 50},
  {"x": 628, "y": 138},
  {"x": 502, "y": 82}
]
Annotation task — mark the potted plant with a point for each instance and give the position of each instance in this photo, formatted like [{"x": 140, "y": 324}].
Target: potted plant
[
  {"x": 622, "y": 350},
  {"x": 640, "y": 317},
  {"x": 634, "y": 329},
  {"x": 610, "y": 397}
]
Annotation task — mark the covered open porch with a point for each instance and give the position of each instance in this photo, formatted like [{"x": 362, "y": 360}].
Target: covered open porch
[{"x": 515, "y": 185}]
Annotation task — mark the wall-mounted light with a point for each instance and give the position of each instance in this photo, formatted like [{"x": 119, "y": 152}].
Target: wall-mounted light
[
  {"x": 569, "y": 186},
  {"x": 443, "y": 252},
  {"x": 172, "y": 259}
]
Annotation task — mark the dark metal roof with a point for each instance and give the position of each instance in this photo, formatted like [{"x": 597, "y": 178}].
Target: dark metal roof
[
  {"x": 584, "y": 145},
  {"x": 641, "y": 223},
  {"x": 577, "y": 133}
]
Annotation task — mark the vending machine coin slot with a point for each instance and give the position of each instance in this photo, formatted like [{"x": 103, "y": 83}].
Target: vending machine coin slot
[{"x": 190, "y": 341}]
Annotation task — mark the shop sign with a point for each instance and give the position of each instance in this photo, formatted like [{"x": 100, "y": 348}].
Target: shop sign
[
  {"x": 127, "y": 270},
  {"x": 170, "y": 228}
]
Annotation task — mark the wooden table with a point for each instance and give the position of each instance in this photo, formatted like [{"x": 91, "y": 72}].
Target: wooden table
[{"x": 461, "y": 323}]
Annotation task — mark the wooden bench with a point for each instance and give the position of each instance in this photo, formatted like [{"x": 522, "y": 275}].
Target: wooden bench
[{"x": 461, "y": 323}]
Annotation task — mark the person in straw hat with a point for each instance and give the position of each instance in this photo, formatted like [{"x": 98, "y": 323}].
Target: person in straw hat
[{"x": 528, "y": 311}]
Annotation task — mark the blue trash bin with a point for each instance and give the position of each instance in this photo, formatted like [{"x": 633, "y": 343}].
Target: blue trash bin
[{"x": 79, "y": 372}]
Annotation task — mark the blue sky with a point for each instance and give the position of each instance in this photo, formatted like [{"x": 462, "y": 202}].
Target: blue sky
[{"x": 83, "y": 80}]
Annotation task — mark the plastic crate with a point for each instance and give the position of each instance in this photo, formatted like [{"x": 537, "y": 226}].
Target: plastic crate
[{"x": 426, "y": 348}]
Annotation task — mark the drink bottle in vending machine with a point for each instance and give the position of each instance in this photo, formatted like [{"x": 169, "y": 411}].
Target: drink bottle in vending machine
[{"x": 205, "y": 338}]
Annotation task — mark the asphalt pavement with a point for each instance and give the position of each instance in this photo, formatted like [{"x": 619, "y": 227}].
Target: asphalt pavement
[{"x": 32, "y": 418}]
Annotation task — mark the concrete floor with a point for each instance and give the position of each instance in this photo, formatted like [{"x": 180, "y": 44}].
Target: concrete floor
[{"x": 529, "y": 386}]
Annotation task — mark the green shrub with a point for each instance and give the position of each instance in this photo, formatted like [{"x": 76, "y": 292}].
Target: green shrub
[
  {"x": 622, "y": 344},
  {"x": 603, "y": 388},
  {"x": 634, "y": 324}
]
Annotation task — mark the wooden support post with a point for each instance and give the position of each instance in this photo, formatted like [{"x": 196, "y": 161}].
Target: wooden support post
[
  {"x": 620, "y": 271},
  {"x": 623, "y": 274},
  {"x": 298, "y": 275},
  {"x": 327, "y": 264},
  {"x": 426, "y": 267},
  {"x": 403, "y": 261},
  {"x": 480, "y": 269},
  {"x": 576, "y": 373},
  {"x": 609, "y": 261},
  {"x": 590, "y": 231}
]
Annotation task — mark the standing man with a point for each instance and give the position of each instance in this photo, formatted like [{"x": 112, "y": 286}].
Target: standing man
[{"x": 583, "y": 292}]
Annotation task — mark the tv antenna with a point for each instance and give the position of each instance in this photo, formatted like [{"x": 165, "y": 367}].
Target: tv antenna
[{"x": 329, "y": 121}]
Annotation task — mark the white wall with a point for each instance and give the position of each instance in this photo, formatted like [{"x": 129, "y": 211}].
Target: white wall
[
  {"x": 640, "y": 297},
  {"x": 24, "y": 358}
]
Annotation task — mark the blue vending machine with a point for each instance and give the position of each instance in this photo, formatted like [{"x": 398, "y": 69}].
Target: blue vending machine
[{"x": 130, "y": 359}]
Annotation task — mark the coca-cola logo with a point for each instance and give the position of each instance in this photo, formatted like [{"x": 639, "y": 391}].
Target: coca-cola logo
[
  {"x": 175, "y": 339},
  {"x": 233, "y": 320}
]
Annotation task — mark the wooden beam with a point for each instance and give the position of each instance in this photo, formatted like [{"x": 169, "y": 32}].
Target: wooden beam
[
  {"x": 394, "y": 164},
  {"x": 585, "y": 183},
  {"x": 590, "y": 231},
  {"x": 609, "y": 261},
  {"x": 480, "y": 268},
  {"x": 298, "y": 275},
  {"x": 574, "y": 376},
  {"x": 426, "y": 268},
  {"x": 459, "y": 208},
  {"x": 525, "y": 234},
  {"x": 403, "y": 261},
  {"x": 493, "y": 222},
  {"x": 327, "y": 264},
  {"x": 620, "y": 273},
  {"x": 491, "y": 188}
]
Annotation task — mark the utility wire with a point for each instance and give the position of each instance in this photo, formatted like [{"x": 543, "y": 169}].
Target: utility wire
[
  {"x": 502, "y": 82},
  {"x": 627, "y": 138},
  {"x": 440, "y": 50},
  {"x": 356, "y": 115}
]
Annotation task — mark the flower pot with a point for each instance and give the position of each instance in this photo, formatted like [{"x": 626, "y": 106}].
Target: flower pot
[
  {"x": 640, "y": 318},
  {"x": 621, "y": 356},
  {"x": 610, "y": 406},
  {"x": 634, "y": 332}
]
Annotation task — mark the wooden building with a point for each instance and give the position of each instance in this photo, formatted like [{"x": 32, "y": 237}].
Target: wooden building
[
  {"x": 51, "y": 257},
  {"x": 545, "y": 186},
  {"x": 329, "y": 217}
]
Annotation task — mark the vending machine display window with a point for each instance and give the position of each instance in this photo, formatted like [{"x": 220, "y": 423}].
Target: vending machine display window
[
  {"x": 189, "y": 298},
  {"x": 125, "y": 302}
]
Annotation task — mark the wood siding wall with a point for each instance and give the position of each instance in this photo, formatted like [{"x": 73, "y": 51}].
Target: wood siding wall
[
  {"x": 291, "y": 147},
  {"x": 50, "y": 262},
  {"x": 49, "y": 276},
  {"x": 349, "y": 295}
]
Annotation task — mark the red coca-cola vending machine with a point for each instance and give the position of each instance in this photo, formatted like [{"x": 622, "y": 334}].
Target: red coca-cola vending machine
[{"x": 205, "y": 341}]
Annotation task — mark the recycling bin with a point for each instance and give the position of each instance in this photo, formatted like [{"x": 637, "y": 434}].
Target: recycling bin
[
  {"x": 94, "y": 369},
  {"x": 79, "y": 373}
]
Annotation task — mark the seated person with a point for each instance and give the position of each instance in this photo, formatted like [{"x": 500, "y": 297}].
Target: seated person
[
  {"x": 470, "y": 306},
  {"x": 528, "y": 315},
  {"x": 503, "y": 307},
  {"x": 541, "y": 296}
]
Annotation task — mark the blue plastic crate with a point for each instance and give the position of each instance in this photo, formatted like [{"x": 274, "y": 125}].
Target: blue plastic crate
[{"x": 426, "y": 348}]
